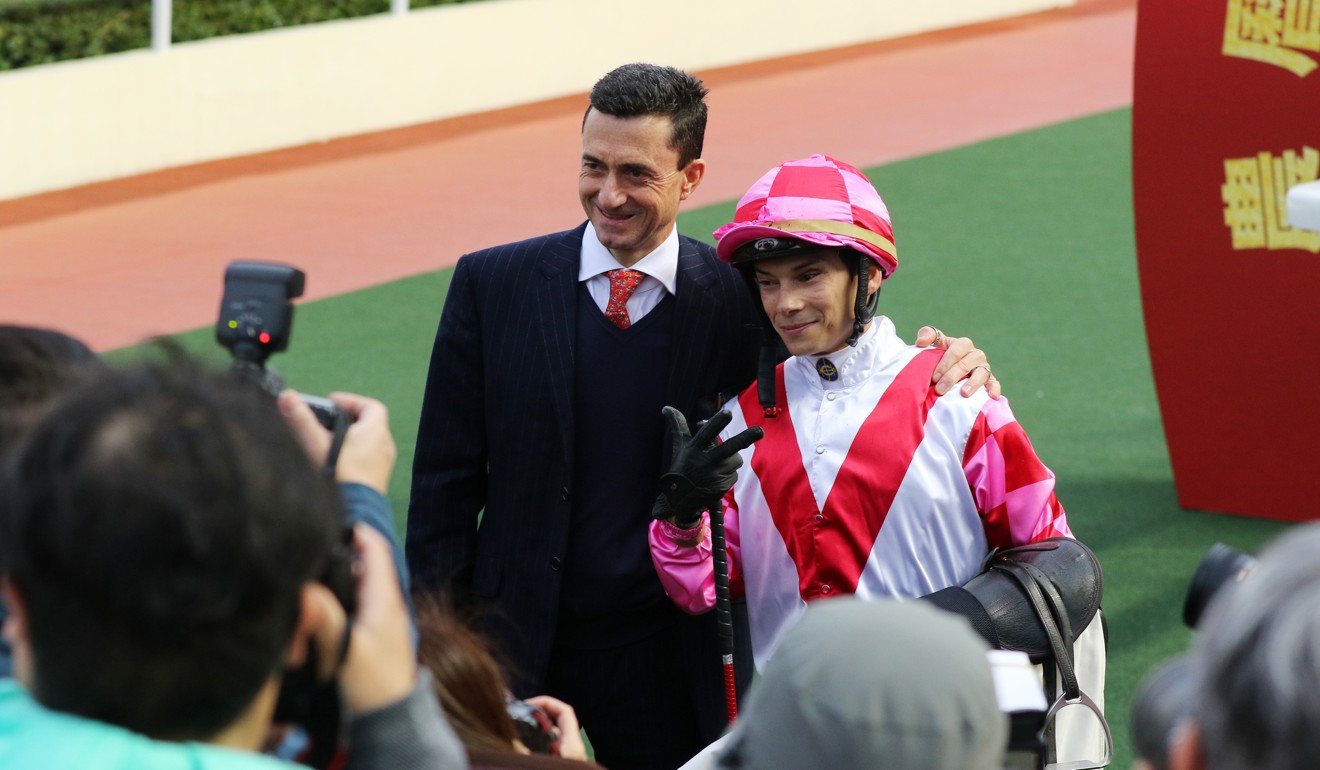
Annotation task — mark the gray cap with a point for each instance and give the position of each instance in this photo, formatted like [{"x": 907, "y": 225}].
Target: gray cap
[{"x": 873, "y": 684}]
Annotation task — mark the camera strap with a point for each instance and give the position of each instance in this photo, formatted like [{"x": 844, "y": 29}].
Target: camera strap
[{"x": 337, "y": 434}]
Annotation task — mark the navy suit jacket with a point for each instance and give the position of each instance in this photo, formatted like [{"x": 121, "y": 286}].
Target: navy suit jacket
[{"x": 496, "y": 431}]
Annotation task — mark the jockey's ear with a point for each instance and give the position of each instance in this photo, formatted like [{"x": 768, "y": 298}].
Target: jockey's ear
[{"x": 873, "y": 279}]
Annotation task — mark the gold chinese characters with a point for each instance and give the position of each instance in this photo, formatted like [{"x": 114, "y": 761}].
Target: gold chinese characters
[
  {"x": 1274, "y": 32},
  {"x": 1254, "y": 192}
]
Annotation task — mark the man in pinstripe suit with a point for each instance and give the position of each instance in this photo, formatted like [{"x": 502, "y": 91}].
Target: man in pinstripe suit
[{"x": 542, "y": 408}]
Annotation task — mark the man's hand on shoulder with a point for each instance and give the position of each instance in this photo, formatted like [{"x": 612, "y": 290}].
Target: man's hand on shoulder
[{"x": 962, "y": 361}]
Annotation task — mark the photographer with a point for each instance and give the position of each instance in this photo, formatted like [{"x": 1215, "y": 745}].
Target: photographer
[
  {"x": 163, "y": 540},
  {"x": 1256, "y": 675},
  {"x": 496, "y": 730},
  {"x": 1164, "y": 700},
  {"x": 36, "y": 366}
]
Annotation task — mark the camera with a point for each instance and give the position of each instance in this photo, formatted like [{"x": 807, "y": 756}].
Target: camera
[
  {"x": 1167, "y": 696},
  {"x": 256, "y": 311},
  {"x": 256, "y": 319},
  {"x": 534, "y": 727},
  {"x": 1220, "y": 566}
]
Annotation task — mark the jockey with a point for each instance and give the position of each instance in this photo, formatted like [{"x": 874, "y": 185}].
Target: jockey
[{"x": 866, "y": 481}]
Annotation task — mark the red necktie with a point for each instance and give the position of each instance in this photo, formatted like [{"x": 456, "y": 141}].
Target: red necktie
[{"x": 622, "y": 285}]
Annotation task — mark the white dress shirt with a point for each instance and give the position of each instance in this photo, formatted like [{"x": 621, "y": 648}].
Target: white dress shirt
[{"x": 660, "y": 269}]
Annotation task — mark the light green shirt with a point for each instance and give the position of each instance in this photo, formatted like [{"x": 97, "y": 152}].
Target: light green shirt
[{"x": 33, "y": 737}]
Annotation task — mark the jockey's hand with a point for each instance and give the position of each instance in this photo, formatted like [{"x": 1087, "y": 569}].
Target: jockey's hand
[{"x": 701, "y": 470}]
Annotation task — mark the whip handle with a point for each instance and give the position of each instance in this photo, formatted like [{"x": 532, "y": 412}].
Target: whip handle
[{"x": 723, "y": 608}]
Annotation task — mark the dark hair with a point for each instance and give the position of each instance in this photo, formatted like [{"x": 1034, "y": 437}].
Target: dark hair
[
  {"x": 36, "y": 366},
  {"x": 1256, "y": 697},
  {"x": 467, "y": 679},
  {"x": 158, "y": 525},
  {"x": 1164, "y": 700},
  {"x": 640, "y": 89}
]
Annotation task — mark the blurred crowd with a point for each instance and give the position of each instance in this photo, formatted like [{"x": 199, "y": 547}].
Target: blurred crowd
[{"x": 166, "y": 530}]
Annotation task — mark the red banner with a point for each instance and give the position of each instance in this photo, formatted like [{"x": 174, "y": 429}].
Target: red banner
[{"x": 1226, "y": 117}]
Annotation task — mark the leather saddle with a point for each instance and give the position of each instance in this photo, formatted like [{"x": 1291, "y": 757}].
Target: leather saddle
[{"x": 1034, "y": 598}]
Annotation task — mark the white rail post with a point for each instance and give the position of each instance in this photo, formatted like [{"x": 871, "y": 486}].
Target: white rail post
[
  {"x": 398, "y": 7},
  {"x": 162, "y": 24}
]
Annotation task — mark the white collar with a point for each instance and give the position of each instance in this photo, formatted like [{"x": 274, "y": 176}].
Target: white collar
[
  {"x": 661, "y": 264},
  {"x": 856, "y": 363}
]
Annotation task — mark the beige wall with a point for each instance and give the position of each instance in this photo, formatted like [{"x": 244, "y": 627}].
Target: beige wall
[{"x": 83, "y": 121}]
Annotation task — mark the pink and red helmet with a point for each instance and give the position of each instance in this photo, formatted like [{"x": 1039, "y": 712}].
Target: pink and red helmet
[{"x": 816, "y": 200}]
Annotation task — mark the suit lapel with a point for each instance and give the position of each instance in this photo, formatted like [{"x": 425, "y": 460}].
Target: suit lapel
[
  {"x": 557, "y": 303},
  {"x": 695, "y": 313}
]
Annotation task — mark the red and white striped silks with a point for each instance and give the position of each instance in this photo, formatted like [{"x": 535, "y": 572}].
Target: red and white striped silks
[{"x": 868, "y": 484}]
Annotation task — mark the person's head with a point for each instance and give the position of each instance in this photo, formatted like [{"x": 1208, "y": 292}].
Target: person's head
[
  {"x": 468, "y": 681},
  {"x": 642, "y": 139},
  {"x": 875, "y": 685},
  {"x": 161, "y": 531},
  {"x": 36, "y": 366},
  {"x": 1257, "y": 667},
  {"x": 814, "y": 240},
  {"x": 810, "y": 296},
  {"x": 1164, "y": 700}
]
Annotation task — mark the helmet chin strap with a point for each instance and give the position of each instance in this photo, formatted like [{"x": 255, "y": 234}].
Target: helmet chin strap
[
  {"x": 768, "y": 358},
  {"x": 865, "y": 304}
]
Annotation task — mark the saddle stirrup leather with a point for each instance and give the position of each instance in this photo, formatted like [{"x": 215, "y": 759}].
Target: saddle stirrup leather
[{"x": 1034, "y": 599}]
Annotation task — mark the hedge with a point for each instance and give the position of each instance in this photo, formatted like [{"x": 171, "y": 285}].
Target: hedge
[{"x": 43, "y": 31}]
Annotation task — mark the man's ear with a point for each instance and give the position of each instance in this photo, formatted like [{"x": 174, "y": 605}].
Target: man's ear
[
  {"x": 15, "y": 631},
  {"x": 321, "y": 621},
  {"x": 692, "y": 176},
  {"x": 1185, "y": 750},
  {"x": 15, "y": 627}
]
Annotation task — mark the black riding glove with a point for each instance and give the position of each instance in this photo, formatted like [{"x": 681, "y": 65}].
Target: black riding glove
[{"x": 701, "y": 471}]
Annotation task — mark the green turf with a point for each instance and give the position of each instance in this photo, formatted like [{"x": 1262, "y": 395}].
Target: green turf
[{"x": 1024, "y": 243}]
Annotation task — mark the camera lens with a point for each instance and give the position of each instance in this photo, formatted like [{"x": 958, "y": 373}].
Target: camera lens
[{"x": 1220, "y": 565}]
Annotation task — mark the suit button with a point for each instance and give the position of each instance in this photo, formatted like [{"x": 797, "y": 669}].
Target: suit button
[
  {"x": 825, "y": 589},
  {"x": 563, "y": 494},
  {"x": 556, "y": 564}
]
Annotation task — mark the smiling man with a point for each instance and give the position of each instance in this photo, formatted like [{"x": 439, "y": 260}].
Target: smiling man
[
  {"x": 543, "y": 404},
  {"x": 629, "y": 184}
]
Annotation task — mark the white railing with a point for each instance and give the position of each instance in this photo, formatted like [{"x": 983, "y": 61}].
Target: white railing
[
  {"x": 322, "y": 81},
  {"x": 162, "y": 24},
  {"x": 162, "y": 21}
]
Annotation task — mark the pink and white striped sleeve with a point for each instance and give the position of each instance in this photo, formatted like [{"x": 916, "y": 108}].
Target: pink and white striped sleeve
[
  {"x": 1013, "y": 489},
  {"x": 682, "y": 560}
]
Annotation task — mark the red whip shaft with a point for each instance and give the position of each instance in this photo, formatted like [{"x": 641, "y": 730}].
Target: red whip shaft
[{"x": 730, "y": 691}]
